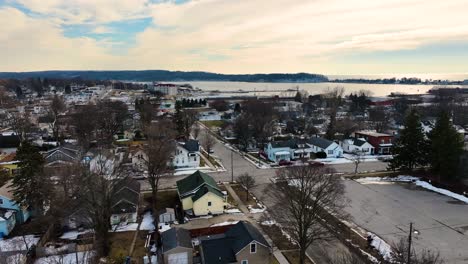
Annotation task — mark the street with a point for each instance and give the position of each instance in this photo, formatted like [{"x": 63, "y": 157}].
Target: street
[{"x": 386, "y": 209}]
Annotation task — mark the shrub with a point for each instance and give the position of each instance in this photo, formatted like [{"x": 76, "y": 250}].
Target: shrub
[{"x": 321, "y": 155}]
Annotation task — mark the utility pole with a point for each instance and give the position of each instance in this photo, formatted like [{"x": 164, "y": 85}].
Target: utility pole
[
  {"x": 232, "y": 166},
  {"x": 409, "y": 242}
]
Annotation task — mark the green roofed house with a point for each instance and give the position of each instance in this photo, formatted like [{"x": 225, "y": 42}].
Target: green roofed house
[{"x": 200, "y": 195}]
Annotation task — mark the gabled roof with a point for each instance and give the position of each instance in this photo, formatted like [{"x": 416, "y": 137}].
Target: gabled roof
[
  {"x": 191, "y": 145},
  {"x": 244, "y": 233},
  {"x": 69, "y": 151},
  {"x": 124, "y": 206},
  {"x": 193, "y": 182},
  {"x": 176, "y": 237},
  {"x": 320, "y": 142},
  {"x": 291, "y": 143},
  {"x": 7, "y": 190},
  {"x": 223, "y": 248},
  {"x": 205, "y": 189},
  {"x": 359, "y": 142}
]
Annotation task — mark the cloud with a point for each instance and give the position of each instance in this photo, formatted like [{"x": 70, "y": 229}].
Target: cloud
[{"x": 231, "y": 36}]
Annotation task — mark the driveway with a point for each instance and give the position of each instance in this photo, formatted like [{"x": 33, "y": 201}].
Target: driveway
[{"x": 387, "y": 209}]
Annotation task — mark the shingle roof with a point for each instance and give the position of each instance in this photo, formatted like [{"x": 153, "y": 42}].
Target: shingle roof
[
  {"x": 205, "y": 189},
  {"x": 192, "y": 145},
  {"x": 320, "y": 142},
  {"x": 359, "y": 142},
  {"x": 194, "y": 181},
  {"x": 223, "y": 248},
  {"x": 175, "y": 237},
  {"x": 243, "y": 234},
  {"x": 10, "y": 141},
  {"x": 7, "y": 190}
]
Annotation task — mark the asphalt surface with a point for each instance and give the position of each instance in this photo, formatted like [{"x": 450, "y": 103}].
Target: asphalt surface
[{"x": 387, "y": 210}]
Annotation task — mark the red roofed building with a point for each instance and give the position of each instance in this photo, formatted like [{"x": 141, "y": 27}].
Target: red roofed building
[{"x": 382, "y": 143}]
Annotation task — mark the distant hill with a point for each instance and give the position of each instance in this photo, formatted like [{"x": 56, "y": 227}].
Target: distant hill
[{"x": 162, "y": 75}]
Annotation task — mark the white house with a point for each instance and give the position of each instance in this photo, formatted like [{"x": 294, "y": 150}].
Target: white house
[
  {"x": 332, "y": 149},
  {"x": 187, "y": 154},
  {"x": 166, "y": 88},
  {"x": 353, "y": 145}
]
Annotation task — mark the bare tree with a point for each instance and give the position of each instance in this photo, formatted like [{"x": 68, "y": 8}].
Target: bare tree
[
  {"x": 100, "y": 180},
  {"x": 379, "y": 118},
  {"x": 247, "y": 181},
  {"x": 357, "y": 158},
  {"x": 84, "y": 122},
  {"x": 399, "y": 254},
  {"x": 56, "y": 108},
  {"x": 334, "y": 99},
  {"x": 243, "y": 131},
  {"x": 110, "y": 118},
  {"x": 20, "y": 123},
  {"x": 159, "y": 151},
  {"x": 195, "y": 130},
  {"x": 305, "y": 196},
  {"x": 208, "y": 142}
]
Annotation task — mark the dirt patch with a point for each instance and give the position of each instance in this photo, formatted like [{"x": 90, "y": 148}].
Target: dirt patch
[
  {"x": 120, "y": 243},
  {"x": 230, "y": 200},
  {"x": 165, "y": 199},
  {"x": 279, "y": 239},
  {"x": 247, "y": 199},
  {"x": 140, "y": 251}
]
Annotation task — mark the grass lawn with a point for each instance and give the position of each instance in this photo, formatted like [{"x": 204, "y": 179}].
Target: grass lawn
[
  {"x": 230, "y": 200},
  {"x": 240, "y": 191},
  {"x": 166, "y": 199},
  {"x": 293, "y": 257},
  {"x": 273, "y": 260},
  {"x": 140, "y": 251},
  {"x": 279, "y": 239},
  {"x": 120, "y": 245},
  {"x": 213, "y": 123}
]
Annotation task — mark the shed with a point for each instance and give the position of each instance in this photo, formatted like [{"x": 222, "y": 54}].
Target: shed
[{"x": 167, "y": 215}]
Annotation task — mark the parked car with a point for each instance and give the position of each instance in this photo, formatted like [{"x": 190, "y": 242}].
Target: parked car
[
  {"x": 284, "y": 163},
  {"x": 316, "y": 164}
]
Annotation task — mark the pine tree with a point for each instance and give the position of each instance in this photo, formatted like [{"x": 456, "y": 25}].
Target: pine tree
[
  {"x": 411, "y": 148},
  {"x": 179, "y": 119},
  {"x": 30, "y": 186},
  {"x": 446, "y": 147}
]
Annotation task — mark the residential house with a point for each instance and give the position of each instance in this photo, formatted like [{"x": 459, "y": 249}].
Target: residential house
[
  {"x": 9, "y": 142},
  {"x": 7, "y": 204},
  {"x": 125, "y": 202},
  {"x": 65, "y": 154},
  {"x": 357, "y": 145},
  {"x": 287, "y": 150},
  {"x": 187, "y": 154},
  {"x": 7, "y": 221},
  {"x": 200, "y": 195},
  {"x": 381, "y": 142},
  {"x": 242, "y": 243},
  {"x": 332, "y": 149},
  {"x": 177, "y": 246},
  {"x": 167, "y": 215},
  {"x": 9, "y": 163}
]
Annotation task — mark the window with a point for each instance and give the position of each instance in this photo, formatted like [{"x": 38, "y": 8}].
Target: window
[
  {"x": 253, "y": 248},
  {"x": 245, "y": 261},
  {"x": 209, "y": 203},
  {"x": 330, "y": 152}
]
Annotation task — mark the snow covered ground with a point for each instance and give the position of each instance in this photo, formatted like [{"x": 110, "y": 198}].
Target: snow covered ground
[
  {"x": 73, "y": 234},
  {"x": 18, "y": 243},
  {"x": 188, "y": 171},
  {"x": 259, "y": 209},
  {"x": 148, "y": 222},
  {"x": 233, "y": 211},
  {"x": 125, "y": 227},
  {"x": 416, "y": 181},
  {"x": 384, "y": 249},
  {"x": 163, "y": 227},
  {"x": 226, "y": 223},
  {"x": 83, "y": 257}
]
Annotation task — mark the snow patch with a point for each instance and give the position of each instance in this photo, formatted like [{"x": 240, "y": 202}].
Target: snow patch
[
  {"x": 384, "y": 249},
  {"x": 162, "y": 227},
  {"x": 148, "y": 222},
  {"x": 226, "y": 223},
  {"x": 233, "y": 211},
  {"x": 125, "y": 227},
  {"x": 72, "y": 235},
  {"x": 83, "y": 257},
  {"x": 268, "y": 223},
  {"x": 18, "y": 243}
]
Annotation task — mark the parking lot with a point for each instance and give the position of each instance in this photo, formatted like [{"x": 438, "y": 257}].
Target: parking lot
[{"x": 387, "y": 209}]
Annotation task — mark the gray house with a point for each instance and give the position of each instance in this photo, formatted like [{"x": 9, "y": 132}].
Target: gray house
[
  {"x": 177, "y": 246},
  {"x": 242, "y": 243}
]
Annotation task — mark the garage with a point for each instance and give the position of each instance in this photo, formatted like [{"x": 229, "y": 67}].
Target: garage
[{"x": 178, "y": 258}]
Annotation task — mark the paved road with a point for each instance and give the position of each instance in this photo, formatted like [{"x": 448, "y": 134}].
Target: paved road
[{"x": 387, "y": 210}]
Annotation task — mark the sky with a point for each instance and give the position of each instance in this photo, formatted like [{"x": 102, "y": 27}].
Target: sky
[{"x": 236, "y": 36}]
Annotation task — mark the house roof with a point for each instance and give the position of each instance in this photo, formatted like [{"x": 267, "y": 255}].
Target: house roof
[
  {"x": 176, "y": 237},
  {"x": 194, "y": 181},
  {"x": 8, "y": 158},
  {"x": 372, "y": 134},
  {"x": 7, "y": 190},
  {"x": 244, "y": 233},
  {"x": 9, "y": 141},
  {"x": 167, "y": 211},
  {"x": 359, "y": 142},
  {"x": 191, "y": 145},
  {"x": 206, "y": 189},
  {"x": 320, "y": 142},
  {"x": 291, "y": 143},
  {"x": 124, "y": 206},
  {"x": 68, "y": 150},
  {"x": 223, "y": 248}
]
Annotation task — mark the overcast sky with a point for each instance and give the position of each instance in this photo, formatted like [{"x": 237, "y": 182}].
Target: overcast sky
[{"x": 236, "y": 36}]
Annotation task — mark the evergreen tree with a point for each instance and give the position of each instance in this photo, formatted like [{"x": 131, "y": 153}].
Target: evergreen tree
[
  {"x": 411, "y": 148},
  {"x": 446, "y": 147},
  {"x": 30, "y": 186},
  {"x": 67, "y": 89},
  {"x": 179, "y": 118}
]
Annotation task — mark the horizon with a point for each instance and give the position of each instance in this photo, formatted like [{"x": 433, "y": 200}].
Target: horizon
[{"x": 361, "y": 37}]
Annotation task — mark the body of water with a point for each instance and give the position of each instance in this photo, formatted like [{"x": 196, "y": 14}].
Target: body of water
[
  {"x": 265, "y": 89},
  {"x": 425, "y": 76}
]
